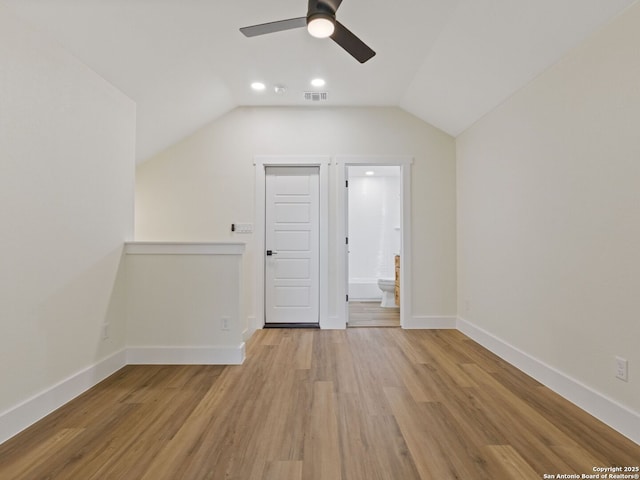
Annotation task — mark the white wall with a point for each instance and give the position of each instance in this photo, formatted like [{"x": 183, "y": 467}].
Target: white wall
[
  {"x": 177, "y": 299},
  {"x": 549, "y": 209},
  {"x": 66, "y": 206},
  {"x": 374, "y": 229},
  {"x": 197, "y": 188}
]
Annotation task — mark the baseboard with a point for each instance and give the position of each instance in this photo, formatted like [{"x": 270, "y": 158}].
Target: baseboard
[
  {"x": 214, "y": 355},
  {"x": 429, "y": 322},
  {"x": 292, "y": 325},
  {"x": 251, "y": 328},
  {"x": 617, "y": 416},
  {"x": 16, "y": 419},
  {"x": 247, "y": 334},
  {"x": 364, "y": 289}
]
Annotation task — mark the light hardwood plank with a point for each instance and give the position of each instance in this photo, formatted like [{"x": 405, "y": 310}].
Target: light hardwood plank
[
  {"x": 426, "y": 450},
  {"x": 322, "y": 447},
  {"x": 284, "y": 470},
  {"x": 505, "y": 462},
  {"x": 304, "y": 351},
  {"x": 371, "y": 314},
  {"x": 420, "y": 388},
  {"x": 356, "y": 404},
  {"x": 26, "y": 463},
  {"x": 446, "y": 361}
]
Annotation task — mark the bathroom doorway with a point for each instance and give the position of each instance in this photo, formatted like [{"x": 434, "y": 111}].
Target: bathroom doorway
[{"x": 373, "y": 226}]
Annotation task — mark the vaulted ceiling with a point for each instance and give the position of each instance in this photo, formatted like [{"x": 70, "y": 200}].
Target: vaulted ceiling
[{"x": 185, "y": 63}]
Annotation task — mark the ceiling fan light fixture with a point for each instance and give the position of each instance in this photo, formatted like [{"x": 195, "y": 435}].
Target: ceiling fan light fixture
[{"x": 320, "y": 25}]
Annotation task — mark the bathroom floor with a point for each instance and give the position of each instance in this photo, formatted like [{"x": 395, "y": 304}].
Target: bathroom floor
[{"x": 371, "y": 314}]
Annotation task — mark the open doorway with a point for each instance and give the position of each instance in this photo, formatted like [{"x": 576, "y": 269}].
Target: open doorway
[{"x": 374, "y": 216}]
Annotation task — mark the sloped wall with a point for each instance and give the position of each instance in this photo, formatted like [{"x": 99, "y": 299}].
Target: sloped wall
[
  {"x": 67, "y": 141},
  {"x": 548, "y": 209}
]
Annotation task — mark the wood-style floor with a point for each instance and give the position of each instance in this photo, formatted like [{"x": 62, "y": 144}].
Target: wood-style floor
[
  {"x": 370, "y": 404},
  {"x": 371, "y": 314}
]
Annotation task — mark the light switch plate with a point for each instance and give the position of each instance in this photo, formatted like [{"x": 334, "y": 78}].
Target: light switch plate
[{"x": 243, "y": 228}]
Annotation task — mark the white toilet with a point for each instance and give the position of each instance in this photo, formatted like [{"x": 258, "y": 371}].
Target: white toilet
[{"x": 388, "y": 286}]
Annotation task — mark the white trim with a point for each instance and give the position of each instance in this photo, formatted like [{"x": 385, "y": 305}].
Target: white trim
[
  {"x": 25, "y": 414},
  {"x": 364, "y": 290},
  {"x": 250, "y": 330},
  {"x": 291, "y": 160},
  {"x": 214, "y": 355},
  {"x": 183, "y": 248},
  {"x": 333, "y": 323},
  {"x": 261, "y": 162},
  {"x": 617, "y": 416},
  {"x": 404, "y": 162},
  {"x": 16, "y": 419},
  {"x": 430, "y": 322}
]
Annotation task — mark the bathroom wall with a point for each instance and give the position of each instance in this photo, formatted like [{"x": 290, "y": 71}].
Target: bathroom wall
[{"x": 374, "y": 228}]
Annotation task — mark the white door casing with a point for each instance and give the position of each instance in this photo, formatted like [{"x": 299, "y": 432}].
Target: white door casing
[
  {"x": 261, "y": 162},
  {"x": 404, "y": 162},
  {"x": 292, "y": 244}
]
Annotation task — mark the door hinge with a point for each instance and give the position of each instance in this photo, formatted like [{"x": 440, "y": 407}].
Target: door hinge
[
  {"x": 346, "y": 183},
  {"x": 346, "y": 240},
  {"x": 347, "y": 297}
]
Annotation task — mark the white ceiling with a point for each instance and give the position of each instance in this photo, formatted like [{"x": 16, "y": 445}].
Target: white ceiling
[{"x": 185, "y": 63}]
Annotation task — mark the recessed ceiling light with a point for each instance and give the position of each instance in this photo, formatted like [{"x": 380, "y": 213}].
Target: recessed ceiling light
[
  {"x": 258, "y": 86},
  {"x": 318, "y": 82},
  {"x": 369, "y": 172}
]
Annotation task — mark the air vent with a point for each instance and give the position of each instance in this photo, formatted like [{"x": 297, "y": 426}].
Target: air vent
[{"x": 315, "y": 96}]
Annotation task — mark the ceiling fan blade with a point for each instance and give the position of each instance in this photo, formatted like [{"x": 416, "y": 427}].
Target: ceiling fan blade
[
  {"x": 273, "y": 27},
  {"x": 352, "y": 44}
]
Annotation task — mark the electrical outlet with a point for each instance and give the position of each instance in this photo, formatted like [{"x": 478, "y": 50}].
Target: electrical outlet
[
  {"x": 224, "y": 323},
  {"x": 105, "y": 331},
  {"x": 622, "y": 369}
]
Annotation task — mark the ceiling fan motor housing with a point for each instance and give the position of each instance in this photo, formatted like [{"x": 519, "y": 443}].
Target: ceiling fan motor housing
[
  {"x": 320, "y": 10},
  {"x": 318, "y": 15}
]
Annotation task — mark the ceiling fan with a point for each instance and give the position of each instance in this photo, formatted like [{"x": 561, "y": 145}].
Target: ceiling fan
[{"x": 321, "y": 23}]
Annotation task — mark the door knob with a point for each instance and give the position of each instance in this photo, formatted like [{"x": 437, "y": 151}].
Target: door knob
[{"x": 271, "y": 252}]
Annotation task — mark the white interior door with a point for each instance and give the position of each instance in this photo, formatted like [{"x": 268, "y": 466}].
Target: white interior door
[{"x": 292, "y": 256}]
